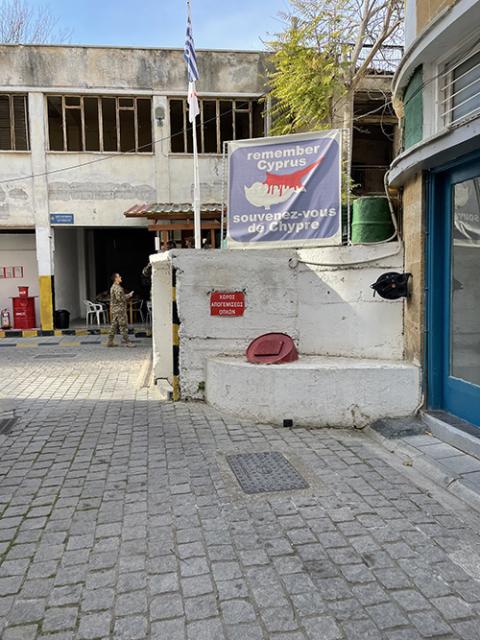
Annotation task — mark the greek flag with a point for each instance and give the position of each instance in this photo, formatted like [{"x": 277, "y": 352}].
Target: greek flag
[
  {"x": 190, "y": 55},
  {"x": 192, "y": 69}
]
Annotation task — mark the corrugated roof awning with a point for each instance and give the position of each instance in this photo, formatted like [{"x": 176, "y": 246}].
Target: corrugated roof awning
[{"x": 164, "y": 208}]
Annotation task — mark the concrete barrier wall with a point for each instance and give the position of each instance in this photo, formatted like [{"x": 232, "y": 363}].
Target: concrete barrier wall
[{"x": 326, "y": 310}]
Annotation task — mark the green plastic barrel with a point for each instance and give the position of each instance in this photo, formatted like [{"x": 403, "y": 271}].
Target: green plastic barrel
[{"x": 371, "y": 220}]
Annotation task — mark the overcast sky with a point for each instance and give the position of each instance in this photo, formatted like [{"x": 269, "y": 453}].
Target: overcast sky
[{"x": 219, "y": 24}]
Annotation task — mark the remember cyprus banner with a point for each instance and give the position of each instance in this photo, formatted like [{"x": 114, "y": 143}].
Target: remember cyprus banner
[{"x": 285, "y": 191}]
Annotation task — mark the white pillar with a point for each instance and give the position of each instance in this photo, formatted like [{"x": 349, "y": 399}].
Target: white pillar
[{"x": 43, "y": 232}]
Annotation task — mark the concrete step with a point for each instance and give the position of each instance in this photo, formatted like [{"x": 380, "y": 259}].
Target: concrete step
[
  {"x": 454, "y": 431},
  {"x": 315, "y": 391}
]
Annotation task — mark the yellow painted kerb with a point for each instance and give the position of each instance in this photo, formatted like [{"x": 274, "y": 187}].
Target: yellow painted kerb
[{"x": 46, "y": 302}]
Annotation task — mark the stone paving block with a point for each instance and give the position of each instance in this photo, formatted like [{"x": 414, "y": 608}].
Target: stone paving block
[
  {"x": 25, "y": 611},
  {"x": 94, "y": 625},
  {"x": 131, "y": 628},
  {"x": 211, "y": 629},
  {"x": 430, "y": 624},
  {"x": 410, "y": 600},
  {"x": 200, "y": 607},
  {"x": 237, "y": 612},
  {"x": 59, "y": 618},
  {"x": 322, "y": 627},
  {"x": 387, "y": 615},
  {"x": 166, "y": 606},
  {"x": 361, "y": 630},
  {"x": 245, "y": 632},
  {"x": 98, "y": 599},
  {"x": 279, "y": 619},
  {"x": 24, "y": 632},
  {"x": 10, "y": 585}
]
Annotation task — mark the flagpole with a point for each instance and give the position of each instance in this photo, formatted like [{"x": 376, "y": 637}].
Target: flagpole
[
  {"x": 197, "y": 223},
  {"x": 193, "y": 108}
]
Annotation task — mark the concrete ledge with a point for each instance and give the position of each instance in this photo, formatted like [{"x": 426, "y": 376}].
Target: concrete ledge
[
  {"x": 451, "y": 435},
  {"x": 314, "y": 391}
]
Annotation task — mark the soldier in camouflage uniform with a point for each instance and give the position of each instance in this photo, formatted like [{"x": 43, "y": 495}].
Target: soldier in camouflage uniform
[{"x": 118, "y": 310}]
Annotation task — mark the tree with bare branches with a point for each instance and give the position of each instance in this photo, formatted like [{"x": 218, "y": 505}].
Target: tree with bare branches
[
  {"x": 321, "y": 57},
  {"x": 21, "y": 23}
]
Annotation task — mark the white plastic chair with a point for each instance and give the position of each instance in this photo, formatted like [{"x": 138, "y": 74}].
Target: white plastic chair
[
  {"x": 96, "y": 310},
  {"x": 137, "y": 309},
  {"x": 149, "y": 312}
]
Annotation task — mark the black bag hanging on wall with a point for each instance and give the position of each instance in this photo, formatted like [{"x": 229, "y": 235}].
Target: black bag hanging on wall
[{"x": 392, "y": 285}]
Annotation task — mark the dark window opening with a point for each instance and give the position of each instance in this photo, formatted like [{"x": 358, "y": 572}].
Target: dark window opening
[
  {"x": 13, "y": 123},
  {"x": 226, "y": 122},
  {"x": 209, "y": 126},
  {"x": 144, "y": 124},
  {"x": 127, "y": 130},
  {"x": 92, "y": 129},
  {"x": 5, "y": 134},
  {"x": 109, "y": 119},
  {"x": 92, "y": 123},
  {"x": 220, "y": 121},
  {"x": 73, "y": 119}
]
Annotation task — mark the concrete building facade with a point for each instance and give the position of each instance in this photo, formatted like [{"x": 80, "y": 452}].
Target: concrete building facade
[
  {"x": 88, "y": 132},
  {"x": 437, "y": 96}
]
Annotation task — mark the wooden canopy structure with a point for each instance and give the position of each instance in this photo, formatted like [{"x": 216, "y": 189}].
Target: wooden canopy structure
[{"x": 164, "y": 218}]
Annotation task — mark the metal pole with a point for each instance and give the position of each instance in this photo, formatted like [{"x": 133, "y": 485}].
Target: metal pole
[{"x": 196, "y": 190}]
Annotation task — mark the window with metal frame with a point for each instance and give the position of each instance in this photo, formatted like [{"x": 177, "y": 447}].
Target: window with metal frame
[
  {"x": 460, "y": 89},
  {"x": 14, "y": 123},
  {"x": 100, "y": 123},
  {"x": 220, "y": 120}
]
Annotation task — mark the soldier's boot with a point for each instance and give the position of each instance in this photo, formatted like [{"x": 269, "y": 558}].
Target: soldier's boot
[
  {"x": 130, "y": 344},
  {"x": 111, "y": 343}
]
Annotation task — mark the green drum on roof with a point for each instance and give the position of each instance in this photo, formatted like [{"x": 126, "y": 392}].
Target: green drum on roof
[{"x": 371, "y": 220}]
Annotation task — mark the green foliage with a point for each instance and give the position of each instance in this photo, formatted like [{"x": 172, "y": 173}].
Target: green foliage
[{"x": 305, "y": 81}]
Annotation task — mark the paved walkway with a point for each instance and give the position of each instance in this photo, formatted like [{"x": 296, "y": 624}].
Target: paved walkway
[{"x": 121, "y": 519}]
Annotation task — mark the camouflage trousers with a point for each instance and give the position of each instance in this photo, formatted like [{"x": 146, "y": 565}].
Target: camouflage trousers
[{"x": 119, "y": 323}]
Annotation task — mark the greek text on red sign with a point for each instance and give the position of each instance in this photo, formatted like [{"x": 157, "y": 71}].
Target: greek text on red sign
[{"x": 227, "y": 303}]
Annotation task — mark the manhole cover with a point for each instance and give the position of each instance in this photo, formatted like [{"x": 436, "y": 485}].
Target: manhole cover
[
  {"x": 42, "y": 356},
  {"x": 265, "y": 472}
]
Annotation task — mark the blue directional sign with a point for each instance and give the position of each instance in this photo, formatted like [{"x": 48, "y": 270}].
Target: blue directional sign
[{"x": 62, "y": 218}]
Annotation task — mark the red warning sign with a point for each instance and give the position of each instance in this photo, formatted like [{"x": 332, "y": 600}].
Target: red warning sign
[{"x": 230, "y": 304}]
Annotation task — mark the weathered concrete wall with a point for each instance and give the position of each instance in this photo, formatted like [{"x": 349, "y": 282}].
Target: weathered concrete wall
[
  {"x": 327, "y": 311},
  {"x": 16, "y": 197},
  {"x": 128, "y": 68},
  {"x": 414, "y": 238},
  {"x": 18, "y": 250},
  {"x": 99, "y": 193},
  {"x": 337, "y": 312},
  {"x": 428, "y": 10},
  {"x": 314, "y": 391}
]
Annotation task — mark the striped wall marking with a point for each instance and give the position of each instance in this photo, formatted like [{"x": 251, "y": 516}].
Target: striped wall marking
[
  {"x": 175, "y": 340},
  {"x": 2, "y": 334},
  {"x": 58, "y": 332},
  {"x": 46, "y": 302},
  {"x": 29, "y": 333}
]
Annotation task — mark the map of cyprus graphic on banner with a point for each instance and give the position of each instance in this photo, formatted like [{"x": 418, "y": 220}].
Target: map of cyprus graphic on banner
[{"x": 285, "y": 191}]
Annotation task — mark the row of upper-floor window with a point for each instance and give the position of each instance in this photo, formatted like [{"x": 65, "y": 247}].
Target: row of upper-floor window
[{"x": 124, "y": 124}]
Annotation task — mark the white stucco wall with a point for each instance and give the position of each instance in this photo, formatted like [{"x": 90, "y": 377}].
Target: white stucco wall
[
  {"x": 328, "y": 311},
  {"x": 18, "y": 250}
]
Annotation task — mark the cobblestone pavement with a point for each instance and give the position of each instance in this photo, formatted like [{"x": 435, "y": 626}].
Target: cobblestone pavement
[{"x": 121, "y": 519}]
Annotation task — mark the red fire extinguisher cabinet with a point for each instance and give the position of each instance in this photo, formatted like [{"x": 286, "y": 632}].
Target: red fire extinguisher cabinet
[{"x": 24, "y": 313}]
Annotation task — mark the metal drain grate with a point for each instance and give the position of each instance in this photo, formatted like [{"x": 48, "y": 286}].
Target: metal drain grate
[
  {"x": 6, "y": 425},
  {"x": 43, "y": 356},
  {"x": 265, "y": 472}
]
